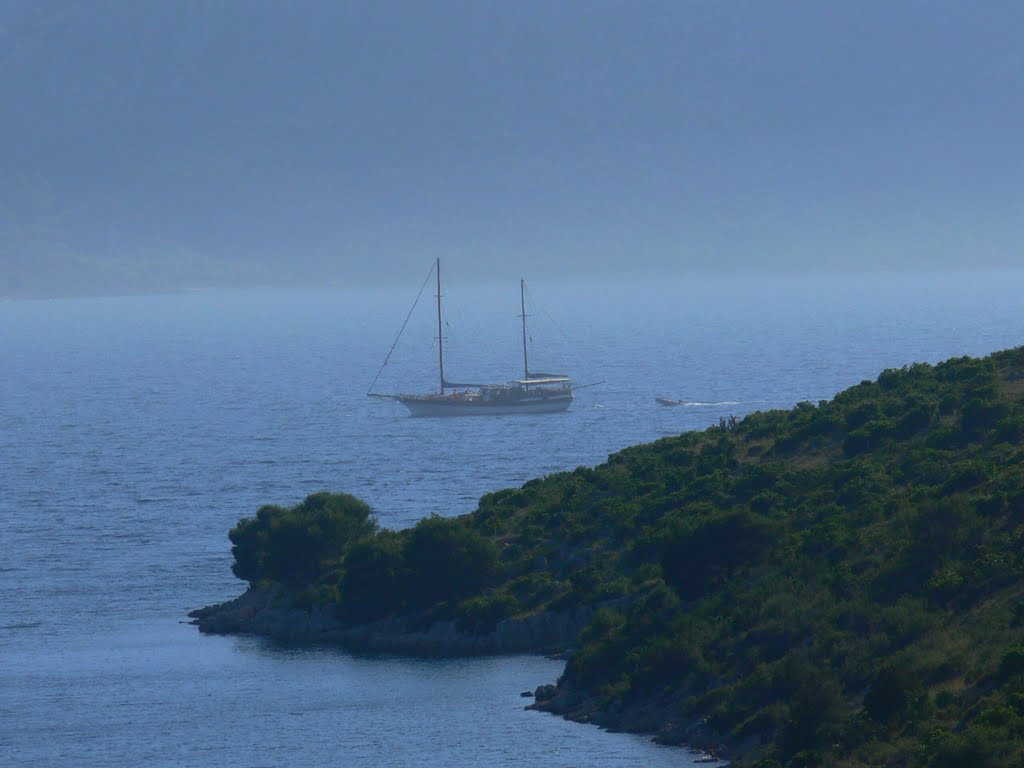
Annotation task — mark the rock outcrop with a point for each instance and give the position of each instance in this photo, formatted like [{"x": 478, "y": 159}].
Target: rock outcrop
[
  {"x": 269, "y": 611},
  {"x": 657, "y": 716}
]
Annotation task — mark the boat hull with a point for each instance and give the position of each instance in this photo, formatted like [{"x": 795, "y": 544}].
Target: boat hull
[{"x": 420, "y": 406}]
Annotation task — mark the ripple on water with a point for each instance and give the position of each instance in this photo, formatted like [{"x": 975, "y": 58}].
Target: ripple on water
[{"x": 125, "y": 462}]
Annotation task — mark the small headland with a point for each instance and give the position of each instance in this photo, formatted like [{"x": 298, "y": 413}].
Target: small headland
[
  {"x": 840, "y": 584},
  {"x": 271, "y": 611}
]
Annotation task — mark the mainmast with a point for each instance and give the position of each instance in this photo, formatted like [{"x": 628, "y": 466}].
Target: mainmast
[
  {"x": 522, "y": 307},
  {"x": 440, "y": 336}
]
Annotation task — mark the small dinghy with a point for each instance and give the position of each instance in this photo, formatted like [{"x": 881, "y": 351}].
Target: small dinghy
[{"x": 666, "y": 401}]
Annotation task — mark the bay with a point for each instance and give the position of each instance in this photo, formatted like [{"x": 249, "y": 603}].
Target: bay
[{"x": 134, "y": 432}]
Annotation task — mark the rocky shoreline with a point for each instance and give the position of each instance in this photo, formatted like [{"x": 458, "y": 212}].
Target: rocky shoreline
[
  {"x": 659, "y": 718},
  {"x": 269, "y": 611}
]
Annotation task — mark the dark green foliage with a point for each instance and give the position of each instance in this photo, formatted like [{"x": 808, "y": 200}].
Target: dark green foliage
[
  {"x": 297, "y": 545},
  {"x": 977, "y": 747},
  {"x": 438, "y": 561},
  {"x": 480, "y": 615},
  {"x": 842, "y": 583},
  {"x": 373, "y": 584},
  {"x": 814, "y": 708},
  {"x": 890, "y": 694},
  {"x": 447, "y": 561},
  {"x": 1012, "y": 663},
  {"x": 703, "y": 552}
]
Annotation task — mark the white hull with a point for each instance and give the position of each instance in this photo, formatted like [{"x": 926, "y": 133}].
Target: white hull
[{"x": 436, "y": 407}]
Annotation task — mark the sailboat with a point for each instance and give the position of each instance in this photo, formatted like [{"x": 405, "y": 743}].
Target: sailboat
[{"x": 533, "y": 393}]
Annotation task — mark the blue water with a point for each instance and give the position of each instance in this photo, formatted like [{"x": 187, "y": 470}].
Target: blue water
[{"x": 134, "y": 432}]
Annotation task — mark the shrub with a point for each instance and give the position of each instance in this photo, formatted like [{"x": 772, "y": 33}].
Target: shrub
[
  {"x": 705, "y": 552},
  {"x": 296, "y": 545},
  {"x": 1012, "y": 663},
  {"x": 889, "y": 694},
  {"x": 482, "y": 614},
  {"x": 447, "y": 561},
  {"x": 375, "y": 576}
]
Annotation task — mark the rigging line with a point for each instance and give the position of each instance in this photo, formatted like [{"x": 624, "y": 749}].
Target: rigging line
[
  {"x": 536, "y": 307},
  {"x": 401, "y": 330}
]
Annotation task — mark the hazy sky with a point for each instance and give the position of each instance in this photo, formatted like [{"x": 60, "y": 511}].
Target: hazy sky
[{"x": 178, "y": 143}]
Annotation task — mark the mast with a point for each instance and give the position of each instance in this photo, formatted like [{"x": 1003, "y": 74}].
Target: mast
[
  {"x": 522, "y": 308},
  {"x": 440, "y": 336}
]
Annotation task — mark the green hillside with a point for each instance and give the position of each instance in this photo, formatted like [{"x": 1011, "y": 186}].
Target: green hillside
[{"x": 838, "y": 584}]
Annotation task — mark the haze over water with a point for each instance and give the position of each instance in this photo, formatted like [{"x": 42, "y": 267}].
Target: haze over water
[
  {"x": 135, "y": 432},
  {"x": 155, "y": 146}
]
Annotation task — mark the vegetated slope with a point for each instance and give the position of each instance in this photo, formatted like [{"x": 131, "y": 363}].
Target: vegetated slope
[{"x": 838, "y": 584}]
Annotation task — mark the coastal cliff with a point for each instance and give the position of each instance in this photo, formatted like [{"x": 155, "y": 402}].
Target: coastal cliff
[{"x": 837, "y": 584}]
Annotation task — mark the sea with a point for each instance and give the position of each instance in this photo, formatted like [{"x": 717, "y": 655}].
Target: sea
[{"x": 135, "y": 432}]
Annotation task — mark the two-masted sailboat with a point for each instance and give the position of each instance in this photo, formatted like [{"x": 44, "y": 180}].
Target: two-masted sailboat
[{"x": 533, "y": 393}]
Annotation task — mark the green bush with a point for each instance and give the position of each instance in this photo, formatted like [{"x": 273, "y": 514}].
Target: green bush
[
  {"x": 447, "y": 561},
  {"x": 480, "y": 615},
  {"x": 1012, "y": 663},
  {"x": 296, "y": 545},
  {"x": 703, "y": 552},
  {"x": 375, "y": 577},
  {"x": 890, "y": 693}
]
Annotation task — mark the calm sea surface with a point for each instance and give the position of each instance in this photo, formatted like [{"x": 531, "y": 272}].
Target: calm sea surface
[{"x": 135, "y": 432}]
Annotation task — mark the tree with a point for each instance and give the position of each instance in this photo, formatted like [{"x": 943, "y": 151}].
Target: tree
[
  {"x": 703, "y": 552},
  {"x": 447, "y": 561},
  {"x": 889, "y": 694},
  {"x": 295, "y": 545},
  {"x": 375, "y": 577}
]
